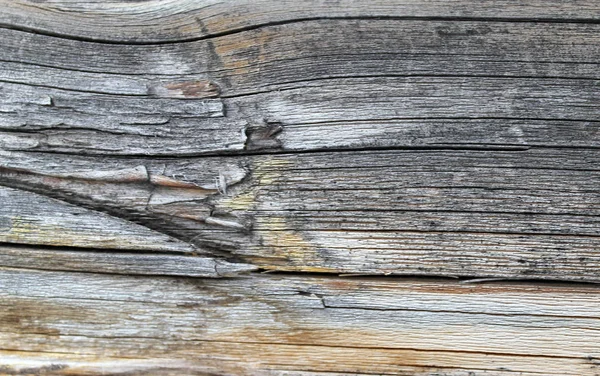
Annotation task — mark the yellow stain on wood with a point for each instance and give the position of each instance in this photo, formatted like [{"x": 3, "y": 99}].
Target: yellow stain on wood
[
  {"x": 299, "y": 253},
  {"x": 242, "y": 202},
  {"x": 30, "y": 231},
  {"x": 245, "y": 54},
  {"x": 268, "y": 170},
  {"x": 281, "y": 247},
  {"x": 21, "y": 229},
  {"x": 265, "y": 172}
]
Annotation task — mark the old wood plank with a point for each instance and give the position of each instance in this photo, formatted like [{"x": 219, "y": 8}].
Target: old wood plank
[
  {"x": 165, "y": 200},
  {"x": 295, "y": 323},
  {"x": 372, "y": 83},
  {"x": 407, "y": 112},
  {"x": 295, "y": 55},
  {"x": 268, "y": 56},
  {"x": 519, "y": 214},
  {"x": 184, "y": 139},
  {"x": 279, "y": 360},
  {"x": 390, "y": 97},
  {"x": 156, "y": 21}
]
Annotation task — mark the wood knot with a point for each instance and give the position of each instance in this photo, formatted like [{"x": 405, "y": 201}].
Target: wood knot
[
  {"x": 263, "y": 137},
  {"x": 186, "y": 90}
]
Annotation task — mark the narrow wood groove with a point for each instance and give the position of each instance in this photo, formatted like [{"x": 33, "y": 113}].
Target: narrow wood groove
[
  {"x": 449, "y": 19},
  {"x": 470, "y": 118}
]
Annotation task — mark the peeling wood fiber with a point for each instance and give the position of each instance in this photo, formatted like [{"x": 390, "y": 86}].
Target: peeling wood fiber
[{"x": 158, "y": 157}]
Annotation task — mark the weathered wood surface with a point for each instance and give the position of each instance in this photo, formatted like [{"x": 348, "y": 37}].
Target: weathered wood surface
[
  {"x": 293, "y": 325},
  {"x": 185, "y": 141},
  {"x": 530, "y": 213}
]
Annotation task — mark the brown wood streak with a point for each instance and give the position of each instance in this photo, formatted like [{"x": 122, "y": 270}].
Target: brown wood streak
[
  {"x": 273, "y": 324},
  {"x": 187, "y": 90},
  {"x": 156, "y": 157}
]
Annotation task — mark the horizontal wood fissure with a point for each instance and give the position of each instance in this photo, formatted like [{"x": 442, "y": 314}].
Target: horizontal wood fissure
[
  {"x": 287, "y": 23},
  {"x": 207, "y": 131},
  {"x": 273, "y": 322},
  {"x": 155, "y": 22},
  {"x": 274, "y": 55}
]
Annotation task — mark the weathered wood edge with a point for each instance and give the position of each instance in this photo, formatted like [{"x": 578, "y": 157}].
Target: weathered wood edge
[
  {"x": 119, "y": 262},
  {"x": 272, "y": 324}
]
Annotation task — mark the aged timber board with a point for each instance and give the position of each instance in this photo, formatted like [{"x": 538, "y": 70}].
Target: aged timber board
[
  {"x": 99, "y": 324},
  {"x": 147, "y": 146}
]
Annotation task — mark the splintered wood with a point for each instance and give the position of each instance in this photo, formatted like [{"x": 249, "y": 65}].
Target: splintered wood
[{"x": 157, "y": 159}]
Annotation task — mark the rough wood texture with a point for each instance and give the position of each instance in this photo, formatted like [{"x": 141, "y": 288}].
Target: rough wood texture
[
  {"x": 186, "y": 141},
  {"x": 506, "y": 213},
  {"x": 273, "y": 325}
]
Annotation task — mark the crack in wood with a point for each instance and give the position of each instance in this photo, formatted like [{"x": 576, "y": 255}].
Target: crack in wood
[{"x": 137, "y": 195}]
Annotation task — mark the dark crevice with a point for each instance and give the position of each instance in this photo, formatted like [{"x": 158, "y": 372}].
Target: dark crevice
[
  {"x": 466, "y": 279},
  {"x": 465, "y": 169},
  {"x": 245, "y": 152},
  {"x": 339, "y": 345},
  {"x": 395, "y": 187},
  {"x": 266, "y": 152},
  {"x": 89, "y": 249},
  {"x": 465, "y": 232},
  {"x": 530, "y": 281},
  {"x": 427, "y": 350},
  {"x": 485, "y": 59},
  {"x": 390, "y": 75},
  {"x": 276, "y": 88},
  {"x": 499, "y": 314},
  {"x": 45, "y": 130},
  {"x": 381, "y": 210},
  {"x": 545, "y": 20},
  {"x": 445, "y": 118},
  {"x": 153, "y": 221}
]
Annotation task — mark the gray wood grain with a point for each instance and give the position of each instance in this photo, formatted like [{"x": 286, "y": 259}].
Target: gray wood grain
[
  {"x": 515, "y": 213},
  {"x": 29, "y": 218},
  {"x": 156, "y": 157},
  {"x": 148, "y": 22},
  {"x": 372, "y": 83}
]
